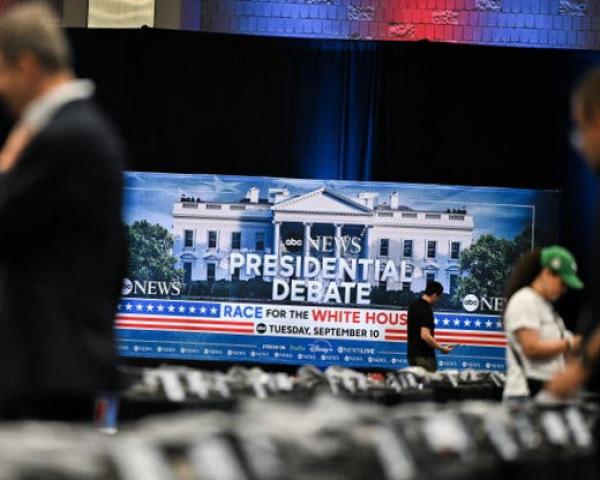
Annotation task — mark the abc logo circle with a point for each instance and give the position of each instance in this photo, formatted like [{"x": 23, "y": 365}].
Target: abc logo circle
[
  {"x": 293, "y": 242},
  {"x": 261, "y": 328},
  {"x": 127, "y": 287},
  {"x": 470, "y": 303}
]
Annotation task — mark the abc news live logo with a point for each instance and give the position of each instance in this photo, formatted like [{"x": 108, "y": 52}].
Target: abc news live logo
[
  {"x": 150, "y": 288},
  {"x": 473, "y": 303}
]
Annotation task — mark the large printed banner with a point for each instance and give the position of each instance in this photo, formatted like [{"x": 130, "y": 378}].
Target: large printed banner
[{"x": 269, "y": 270}]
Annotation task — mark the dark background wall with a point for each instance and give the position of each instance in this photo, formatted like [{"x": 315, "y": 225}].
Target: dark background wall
[{"x": 418, "y": 112}]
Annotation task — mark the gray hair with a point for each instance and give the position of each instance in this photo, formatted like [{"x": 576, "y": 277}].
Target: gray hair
[{"x": 34, "y": 28}]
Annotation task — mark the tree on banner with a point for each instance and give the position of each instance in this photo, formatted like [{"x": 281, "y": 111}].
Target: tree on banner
[
  {"x": 489, "y": 261},
  {"x": 150, "y": 258}
]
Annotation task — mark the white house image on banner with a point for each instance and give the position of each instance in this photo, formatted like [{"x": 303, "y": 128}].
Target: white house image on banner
[{"x": 425, "y": 245}]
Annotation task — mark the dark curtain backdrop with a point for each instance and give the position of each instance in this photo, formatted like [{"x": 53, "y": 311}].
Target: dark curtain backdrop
[{"x": 416, "y": 112}]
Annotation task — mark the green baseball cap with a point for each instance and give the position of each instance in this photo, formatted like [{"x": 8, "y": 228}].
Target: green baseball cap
[{"x": 561, "y": 262}]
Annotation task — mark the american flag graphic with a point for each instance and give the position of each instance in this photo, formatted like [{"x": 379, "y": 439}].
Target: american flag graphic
[
  {"x": 207, "y": 317},
  {"x": 472, "y": 330},
  {"x": 173, "y": 315}
]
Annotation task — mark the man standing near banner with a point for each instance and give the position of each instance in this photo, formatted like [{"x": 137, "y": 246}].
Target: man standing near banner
[
  {"x": 62, "y": 245},
  {"x": 422, "y": 345}
]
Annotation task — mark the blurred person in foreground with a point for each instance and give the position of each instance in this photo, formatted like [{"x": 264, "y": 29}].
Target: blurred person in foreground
[
  {"x": 62, "y": 245},
  {"x": 539, "y": 344},
  {"x": 585, "y": 107}
]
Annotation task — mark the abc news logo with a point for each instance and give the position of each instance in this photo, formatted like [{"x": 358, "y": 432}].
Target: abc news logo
[
  {"x": 294, "y": 242},
  {"x": 150, "y": 287},
  {"x": 472, "y": 303}
]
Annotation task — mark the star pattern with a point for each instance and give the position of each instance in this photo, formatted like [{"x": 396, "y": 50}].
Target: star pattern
[
  {"x": 170, "y": 307},
  {"x": 485, "y": 323}
]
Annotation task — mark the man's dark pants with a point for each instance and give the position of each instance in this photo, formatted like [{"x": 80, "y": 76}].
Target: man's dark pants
[{"x": 428, "y": 363}]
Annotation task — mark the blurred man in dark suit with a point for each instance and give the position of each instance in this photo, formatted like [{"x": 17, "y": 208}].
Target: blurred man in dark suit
[
  {"x": 62, "y": 247},
  {"x": 586, "y": 139}
]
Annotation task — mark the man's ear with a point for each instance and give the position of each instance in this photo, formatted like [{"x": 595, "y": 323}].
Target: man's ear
[
  {"x": 595, "y": 119},
  {"x": 27, "y": 63},
  {"x": 582, "y": 116}
]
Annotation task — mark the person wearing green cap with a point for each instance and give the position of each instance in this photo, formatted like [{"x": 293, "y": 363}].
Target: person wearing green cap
[{"x": 538, "y": 341}]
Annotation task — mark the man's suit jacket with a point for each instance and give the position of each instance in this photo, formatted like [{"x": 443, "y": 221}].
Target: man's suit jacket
[{"x": 62, "y": 258}]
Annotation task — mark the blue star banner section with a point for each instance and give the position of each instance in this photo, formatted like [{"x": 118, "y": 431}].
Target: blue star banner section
[
  {"x": 174, "y": 309},
  {"x": 269, "y": 270}
]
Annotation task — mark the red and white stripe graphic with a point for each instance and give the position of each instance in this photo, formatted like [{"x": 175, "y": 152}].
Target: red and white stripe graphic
[
  {"x": 462, "y": 337},
  {"x": 186, "y": 324}
]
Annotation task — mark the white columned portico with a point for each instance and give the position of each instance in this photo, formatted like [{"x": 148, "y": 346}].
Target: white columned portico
[
  {"x": 367, "y": 252},
  {"x": 338, "y": 249},
  {"x": 276, "y": 238},
  {"x": 306, "y": 242}
]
